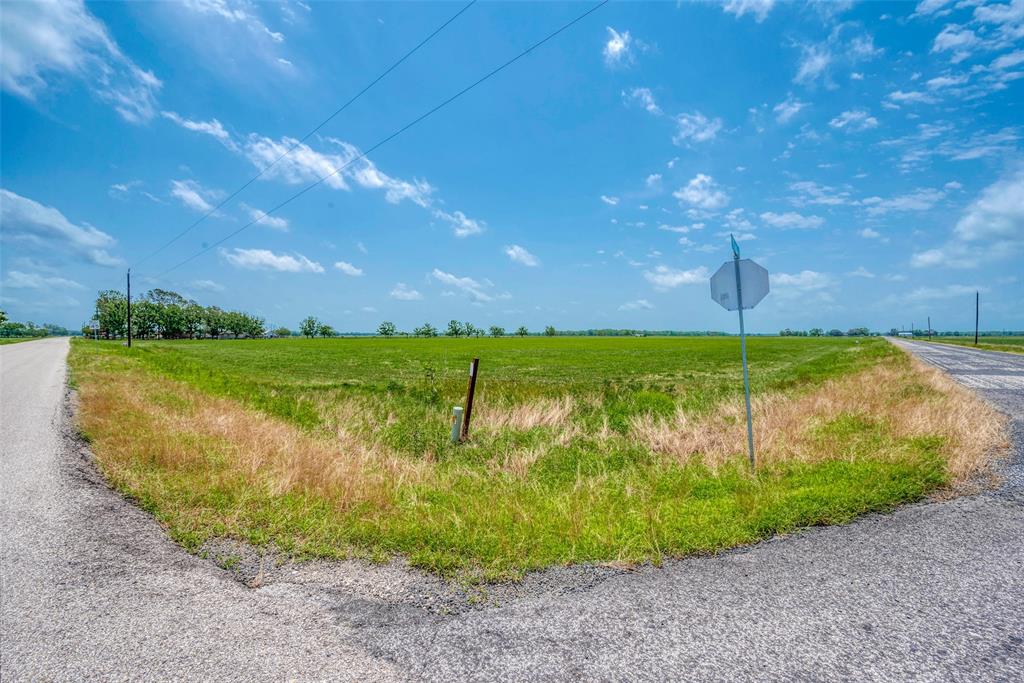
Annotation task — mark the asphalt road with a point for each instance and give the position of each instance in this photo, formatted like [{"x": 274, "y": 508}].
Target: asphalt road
[{"x": 91, "y": 587}]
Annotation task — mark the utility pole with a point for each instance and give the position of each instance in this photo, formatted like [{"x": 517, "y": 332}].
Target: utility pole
[
  {"x": 977, "y": 301},
  {"x": 929, "y": 328},
  {"x": 129, "y": 308}
]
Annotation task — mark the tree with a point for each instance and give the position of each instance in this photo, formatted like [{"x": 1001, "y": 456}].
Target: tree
[
  {"x": 835, "y": 333},
  {"x": 213, "y": 321},
  {"x": 309, "y": 326},
  {"x": 3, "y": 317},
  {"x": 282, "y": 332},
  {"x": 522, "y": 331},
  {"x": 469, "y": 329},
  {"x": 425, "y": 330},
  {"x": 193, "y": 320},
  {"x": 550, "y": 331},
  {"x": 112, "y": 313},
  {"x": 497, "y": 331},
  {"x": 325, "y": 330},
  {"x": 817, "y": 332},
  {"x": 858, "y": 332},
  {"x": 454, "y": 329},
  {"x": 387, "y": 329}
]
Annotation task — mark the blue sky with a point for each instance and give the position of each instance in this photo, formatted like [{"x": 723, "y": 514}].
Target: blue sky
[{"x": 868, "y": 155}]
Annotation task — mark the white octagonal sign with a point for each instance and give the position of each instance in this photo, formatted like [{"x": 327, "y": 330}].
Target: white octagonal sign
[{"x": 753, "y": 277}]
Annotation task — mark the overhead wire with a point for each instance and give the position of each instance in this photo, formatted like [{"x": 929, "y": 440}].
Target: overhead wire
[
  {"x": 308, "y": 135},
  {"x": 380, "y": 143}
]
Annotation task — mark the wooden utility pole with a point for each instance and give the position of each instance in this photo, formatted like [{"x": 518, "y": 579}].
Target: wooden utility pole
[
  {"x": 929, "y": 328},
  {"x": 470, "y": 390},
  {"x": 129, "y": 308},
  {"x": 977, "y": 300}
]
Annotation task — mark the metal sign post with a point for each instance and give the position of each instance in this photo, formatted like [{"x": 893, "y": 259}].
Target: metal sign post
[{"x": 735, "y": 286}]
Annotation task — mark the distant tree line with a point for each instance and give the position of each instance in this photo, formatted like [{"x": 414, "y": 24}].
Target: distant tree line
[
  {"x": 10, "y": 328},
  {"x": 834, "y": 332},
  {"x": 163, "y": 314}
]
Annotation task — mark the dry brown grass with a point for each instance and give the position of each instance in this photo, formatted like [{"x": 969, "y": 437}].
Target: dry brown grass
[
  {"x": 909, "y": 398},
  {"x": 549, "y": 412},
  {"x": 175, "y": 427}
]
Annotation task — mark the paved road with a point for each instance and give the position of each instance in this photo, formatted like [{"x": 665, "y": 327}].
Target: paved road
[{"x": 91, "y": 588}]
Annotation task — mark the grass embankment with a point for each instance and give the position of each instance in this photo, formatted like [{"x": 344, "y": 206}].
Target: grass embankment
[
  {"x": 1010, "y": 344},
  {"x": 619, "y": 450}
]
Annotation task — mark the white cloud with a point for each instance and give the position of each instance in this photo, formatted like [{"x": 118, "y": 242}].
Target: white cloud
[
  {"x": 923, "y": 294},
  {"x": 264, "y": 259},
  {"x": 695, "y": 127},
  {"x": 759, "y": 9},
  {"x": 787, "y": 109},
  {"x": 193, "y": 195},
  {"x": 212, "y": 127},
  {"x": 926, "y": 7},
  {"x": 462, "y": 225},
  {"x": 792, "y": 220},
  {"x": 638, "y": 305},
  {"x": 813, "y": 63},
  {"x": 868, "y": 233},
  {"x": 811, "y": 192},
  {"x": 955, "y": 38},
  {"x": 663, "y": 277},
  {"x": 953, "y": 185},
  {"x": 16, "y": 279},
  {"x": 44, "y": 41},
  {"x": 918, "y": 200},
  {"x": 348, "y": 268},
  {"x": 861, "y": 271},
  {"x": 618, "y": 49},
  {"x": 45, "y": 227},
  {"x": 273, "y": 222},
  {"x": 702, "y": 192},
  {"x": 238, "y": 12},
  {"x": 645, "y": 98},
  {"x": 466, "y": 284},
  {"x": 653, "y": 181},
  {"x": 990, "y": 228},
  {"x": 804, "y": 281},
  {"x": 207, "y": 285},
  {"x": 911, "y": 97},
  {"x": 305, "y": 165},
  {"x": 940, "y": 82},
  {"x": 403, "y": 293},
  {"x": 610, "y": 201},
  {"x": 521, "y": 255},
  {"x": 855, "y": 120},
  {"x": 1008, "y": 60}
]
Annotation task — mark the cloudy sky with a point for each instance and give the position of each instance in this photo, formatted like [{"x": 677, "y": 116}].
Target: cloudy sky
[{"x": 868, "y": 155}]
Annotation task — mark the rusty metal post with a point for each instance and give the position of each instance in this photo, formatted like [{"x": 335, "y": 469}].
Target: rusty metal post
[{"x": 470, "y": 390}]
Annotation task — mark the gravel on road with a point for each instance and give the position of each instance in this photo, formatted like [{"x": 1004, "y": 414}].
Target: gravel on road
[{"x": 91, "y": 587}]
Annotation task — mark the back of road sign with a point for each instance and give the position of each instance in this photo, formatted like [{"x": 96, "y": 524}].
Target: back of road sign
[{"x": 753, "y": 277}]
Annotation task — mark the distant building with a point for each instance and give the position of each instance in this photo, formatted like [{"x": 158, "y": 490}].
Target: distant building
[{"x": 905, "y": 334}]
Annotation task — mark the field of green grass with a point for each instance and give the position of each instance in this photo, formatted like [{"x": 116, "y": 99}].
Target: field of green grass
[
  {"x": 15, "y": 340},
  {"x": 1013, "y": 344},
  {"x": 582, "y": 449}
]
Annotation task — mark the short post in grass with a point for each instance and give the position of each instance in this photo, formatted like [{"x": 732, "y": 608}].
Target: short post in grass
[
  {"x": 456, "y": 424},
  {"x": 735, "y": 286},
  {"x": 474, "y": 366}
]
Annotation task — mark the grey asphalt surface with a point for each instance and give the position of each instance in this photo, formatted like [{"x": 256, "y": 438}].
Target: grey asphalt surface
[{"x": 91, "y": 587}]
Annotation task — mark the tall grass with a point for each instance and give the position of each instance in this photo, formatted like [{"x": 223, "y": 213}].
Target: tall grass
[{"x": 352, "y": 463}]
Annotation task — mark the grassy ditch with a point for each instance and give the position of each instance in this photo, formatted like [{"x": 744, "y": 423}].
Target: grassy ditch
[
  {"x": 1011, "y": 344},
  {"x": 585, "y": 449}
]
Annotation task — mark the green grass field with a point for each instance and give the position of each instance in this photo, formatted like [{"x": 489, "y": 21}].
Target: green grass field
[
  {"x": 340, "y": 448},
  {"x": 1013, "y": 344},
  {"x": 15, "y": 340}
]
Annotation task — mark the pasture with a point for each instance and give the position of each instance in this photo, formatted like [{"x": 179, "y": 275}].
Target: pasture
[{"x": 617, "y": 450}]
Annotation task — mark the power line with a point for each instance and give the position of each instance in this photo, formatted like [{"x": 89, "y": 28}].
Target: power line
[
  {"x": 308, "y": 135},
  {"x": 398, "y": 132}
]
